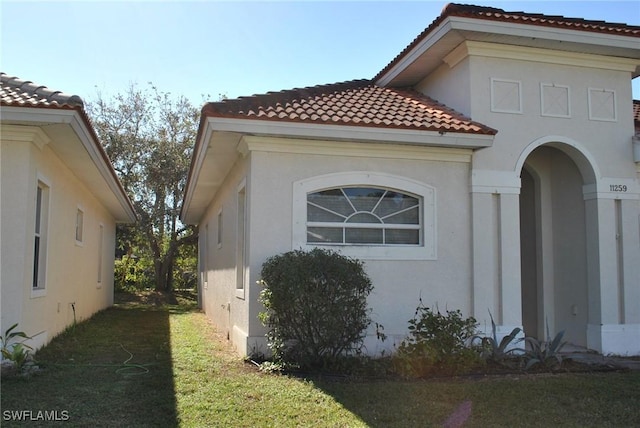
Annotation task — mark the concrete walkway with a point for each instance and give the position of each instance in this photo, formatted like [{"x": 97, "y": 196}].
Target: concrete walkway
[{"x": 586, "y": 356}]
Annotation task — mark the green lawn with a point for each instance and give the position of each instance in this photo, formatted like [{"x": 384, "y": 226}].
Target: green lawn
[{"x": 135, "y": 365}]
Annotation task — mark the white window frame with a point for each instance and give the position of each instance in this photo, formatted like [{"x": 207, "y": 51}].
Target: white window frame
[
  {"x": 242, "y": 229},
  {"x": 427, "y": 250},
  {"x": 204, "y": 257},
  {"x": 101, "y": 253},
  {"x": 219, "y": 228},
  {"x": 41, "y": 234},
  {"x": 79, "y": 226}
]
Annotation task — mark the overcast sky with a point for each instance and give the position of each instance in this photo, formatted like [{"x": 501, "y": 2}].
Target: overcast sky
[{"x": 231, "y": 48}]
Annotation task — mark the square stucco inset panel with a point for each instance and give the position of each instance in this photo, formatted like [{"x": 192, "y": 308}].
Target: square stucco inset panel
[
  {"x": 602, "y": 104},
  {"x": 554, "y": 100},
  {"x": 506, "y": 96}
]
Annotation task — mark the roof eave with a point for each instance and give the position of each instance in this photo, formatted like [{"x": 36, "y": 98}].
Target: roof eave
[
  {"x": 215, "y": 125},
  {"x": 77, "y": 121},
  {"x": 441, "y": 137},
  {"x": 516, "y": 33}
]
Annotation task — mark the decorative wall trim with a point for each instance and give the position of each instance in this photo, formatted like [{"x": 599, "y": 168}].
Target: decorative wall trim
[
  {"x": 555, "y": 100},
  {"x": 489, "y": 181},
  {"x": 506, "y": 96},
  {"x": 370, "y": 150},
  {"x": 30, "y": 134},
  {"x": 548, "y": 56},
  {"x": 602, "y": 105}
]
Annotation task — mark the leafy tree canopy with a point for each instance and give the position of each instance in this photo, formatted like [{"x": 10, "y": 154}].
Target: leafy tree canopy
[{"x": 149, "y": 136}]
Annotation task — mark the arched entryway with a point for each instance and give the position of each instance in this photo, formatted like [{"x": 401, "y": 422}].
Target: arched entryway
[{"x": 553, "y": 242}]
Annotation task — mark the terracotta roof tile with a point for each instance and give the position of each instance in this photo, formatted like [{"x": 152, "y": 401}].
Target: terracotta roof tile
[
  {"x": 495, "y": 14},
  {"x": 354, "y": 103},
  {"x": 490, "y": 13},
  {"x": 24, "y": 93}
]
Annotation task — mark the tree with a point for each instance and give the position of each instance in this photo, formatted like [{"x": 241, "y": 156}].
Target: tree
[{"x": 149, "y": 136}]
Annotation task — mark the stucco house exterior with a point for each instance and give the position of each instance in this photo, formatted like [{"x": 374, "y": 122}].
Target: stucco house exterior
[
  {"x": 60, "y": 202},
  {"x": 492, "y": 166}
]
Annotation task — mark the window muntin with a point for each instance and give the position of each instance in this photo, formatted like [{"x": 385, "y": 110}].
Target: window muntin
[
  {"x": 427, "y": 250},
  {"x": 363, "y": 216}
]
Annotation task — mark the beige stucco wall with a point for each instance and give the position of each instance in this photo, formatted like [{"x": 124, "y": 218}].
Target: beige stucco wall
[
  {"x": 598, "y": 303},
  {"x": 228, "y": 308},
  {"x": 72, "y": 267},
  {"x": 398, "y": 284},
  {"x": 607, "y": 141},
  {"x": 595, "y": 294}
]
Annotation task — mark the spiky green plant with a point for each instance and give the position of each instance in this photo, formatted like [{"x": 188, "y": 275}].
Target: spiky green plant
[
  {"x": 498, "y": 351},
  {"x": 545, "y": 353},
  {"x": 12, "y": 350}
]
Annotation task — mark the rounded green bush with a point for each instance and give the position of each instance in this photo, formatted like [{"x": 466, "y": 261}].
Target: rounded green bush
[{"x": 315, "y": 306}]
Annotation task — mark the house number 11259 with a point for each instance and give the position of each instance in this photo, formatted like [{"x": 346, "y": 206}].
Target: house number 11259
[{"x": 617, "y": 187}]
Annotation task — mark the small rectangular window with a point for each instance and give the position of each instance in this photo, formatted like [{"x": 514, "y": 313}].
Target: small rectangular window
[
  {"x": 79, "y": 225},
  {"x": 40, "y": 236},
  {"x": 219, "y": 232},
  {"x": 100, "y": 253},
  {"x": 204, "y": 251},
  {"x": 241, "y": 242}
]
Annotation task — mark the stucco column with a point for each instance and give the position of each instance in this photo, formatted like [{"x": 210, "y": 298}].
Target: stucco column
[
  {"x": 602, "y": 261},
  {"x": 509, "y": 235},
  {"x": 614, "y": 273},
  {"x": 630, "y": 216},
  {"x": 485, "y": 258},
  {"x": 496, "y": 249}
]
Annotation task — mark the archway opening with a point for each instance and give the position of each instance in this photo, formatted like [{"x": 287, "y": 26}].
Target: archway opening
[{"x": 553, "y": 240}]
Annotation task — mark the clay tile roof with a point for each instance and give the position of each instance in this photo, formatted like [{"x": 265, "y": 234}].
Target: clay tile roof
[
  {"x": 524, "y": 18},
  {"x": 353, "y": 103},
  {"x": 21, "y": 93},
  {"x": 558, "y": 21}
]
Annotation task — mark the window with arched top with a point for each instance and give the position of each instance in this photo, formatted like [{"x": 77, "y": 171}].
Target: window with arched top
[
  {"x": 363, "y": 216},
  {"x": 366, "y": 215}
]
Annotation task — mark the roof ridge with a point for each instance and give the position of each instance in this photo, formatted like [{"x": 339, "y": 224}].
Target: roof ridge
[{"x": 41, "y": 91}]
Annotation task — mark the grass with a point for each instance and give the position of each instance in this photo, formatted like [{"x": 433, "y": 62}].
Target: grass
[{"x": 157, "y": 364}]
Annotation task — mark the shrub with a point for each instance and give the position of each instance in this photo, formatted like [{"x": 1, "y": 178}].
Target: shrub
[
  {"x": 315, "y": 307},
  {"x": 437, "y": 342}
]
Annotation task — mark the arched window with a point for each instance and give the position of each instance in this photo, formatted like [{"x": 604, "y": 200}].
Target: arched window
[
  {"x": 367, "y": 215},
  {"x": 363, "y": 215}
]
